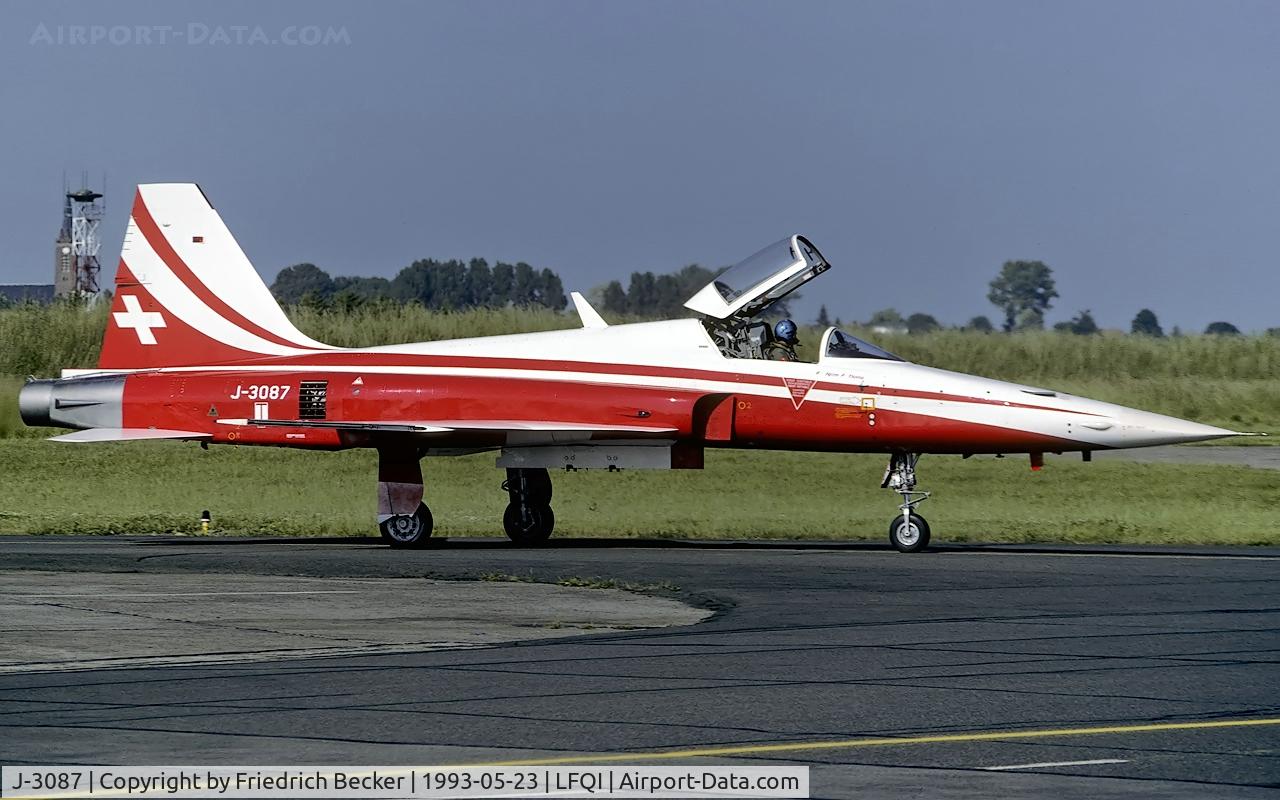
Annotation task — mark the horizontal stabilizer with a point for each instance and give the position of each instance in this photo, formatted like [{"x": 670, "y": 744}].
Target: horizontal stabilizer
[
  {"x": 449, "y": 425},
  {"x": 127, "y": 435}
]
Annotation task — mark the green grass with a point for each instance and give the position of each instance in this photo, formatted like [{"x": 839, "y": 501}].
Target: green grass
[
  {"x": 1048, "y": 356},
  {"x": 148, "y": 488},
  {"x": 41, "y": 340},
  {"x": 10, "y": 423},
  {"x": 396, "y": 324}
]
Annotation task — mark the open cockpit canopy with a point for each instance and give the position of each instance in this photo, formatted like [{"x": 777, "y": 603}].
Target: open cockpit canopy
[
  {"x": 750, "y": 286},
  {"x": 736, "y": 296}
]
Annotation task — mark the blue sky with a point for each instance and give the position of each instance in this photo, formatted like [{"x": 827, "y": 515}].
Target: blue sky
[{"x": 1132, "y": 146}]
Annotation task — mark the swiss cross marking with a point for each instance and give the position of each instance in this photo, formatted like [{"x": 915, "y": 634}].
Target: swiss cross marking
[
  {"x": 141, "y": 321},
  {"x": 799, "y": 389}
]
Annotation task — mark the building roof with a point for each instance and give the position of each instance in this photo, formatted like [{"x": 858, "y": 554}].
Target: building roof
[{"x": 20, "y": 292}]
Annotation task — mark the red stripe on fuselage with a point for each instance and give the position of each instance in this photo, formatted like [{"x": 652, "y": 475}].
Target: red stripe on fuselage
[{"x": 356, "y": 359}]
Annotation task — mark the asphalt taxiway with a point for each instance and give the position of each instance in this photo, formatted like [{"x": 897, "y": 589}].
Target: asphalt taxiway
[
  {"x": 968, "y": 671},
  {"x": 1210, "y": 455}
]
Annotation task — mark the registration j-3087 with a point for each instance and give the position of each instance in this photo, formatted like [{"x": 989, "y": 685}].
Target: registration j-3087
[{"x": 261, "y": 391}]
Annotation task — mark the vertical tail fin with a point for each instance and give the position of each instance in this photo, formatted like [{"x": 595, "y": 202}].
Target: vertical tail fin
[{"x": 185, "y": 292}]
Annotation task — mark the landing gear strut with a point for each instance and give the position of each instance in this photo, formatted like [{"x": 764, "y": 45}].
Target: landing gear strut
[
  {"x": 528, "y": 519},
  {"x": 403, "y": 519},
  {"x": 908, "y": 532}
]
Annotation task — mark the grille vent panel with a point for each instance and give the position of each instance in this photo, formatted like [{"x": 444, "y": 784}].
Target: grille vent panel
[{"x": 313, "y": 400}]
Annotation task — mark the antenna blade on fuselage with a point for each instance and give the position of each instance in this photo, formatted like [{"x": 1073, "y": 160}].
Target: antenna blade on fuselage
[{"x": 589, "y": 316}]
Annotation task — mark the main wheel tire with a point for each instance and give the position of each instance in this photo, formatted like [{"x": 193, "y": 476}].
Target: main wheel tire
[
  {"x": 909, "y": 536},
  {"x": 408, "y": 530},
  {"x": 528, "y": 525}
]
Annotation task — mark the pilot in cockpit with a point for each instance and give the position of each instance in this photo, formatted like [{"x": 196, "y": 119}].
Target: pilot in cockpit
[{"x": 783, "y": 345}]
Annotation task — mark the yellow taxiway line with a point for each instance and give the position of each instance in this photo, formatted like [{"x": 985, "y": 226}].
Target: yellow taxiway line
[{"x": 884, "y": 741}]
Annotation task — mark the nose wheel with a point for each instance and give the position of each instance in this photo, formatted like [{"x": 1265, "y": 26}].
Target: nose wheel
[
  {"x": 908, "y": 531},
  {"x": 528, "y": 519}
]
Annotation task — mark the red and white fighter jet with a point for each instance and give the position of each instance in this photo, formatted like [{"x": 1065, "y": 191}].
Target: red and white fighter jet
[{"x": 197, "y": 349}]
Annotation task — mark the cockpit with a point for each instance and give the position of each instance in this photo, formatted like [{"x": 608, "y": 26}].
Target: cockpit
[
  {"x": 838, "y": 344},
  {"x": 731, "y": 303}
]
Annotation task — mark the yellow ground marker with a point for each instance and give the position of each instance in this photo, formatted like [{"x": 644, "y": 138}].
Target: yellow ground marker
[{"x": 846, "y": 744}]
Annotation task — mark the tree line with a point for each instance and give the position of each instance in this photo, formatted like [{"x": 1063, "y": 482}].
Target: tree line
[
  {"x": 1023, "y": 291},
  {"x": 654, "y": 295},
  {"x": 439, "y": 285}
]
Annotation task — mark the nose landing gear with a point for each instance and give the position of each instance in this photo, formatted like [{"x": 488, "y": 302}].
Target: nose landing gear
[
  {"x": 528, "y": 519},
  {"x": 908, "y": 532}
]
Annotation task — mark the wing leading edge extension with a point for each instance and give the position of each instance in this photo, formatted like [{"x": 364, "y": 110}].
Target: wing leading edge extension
[{"x": 450, "y": 426}]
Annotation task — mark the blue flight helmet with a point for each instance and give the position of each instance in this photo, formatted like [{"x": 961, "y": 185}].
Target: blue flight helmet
[{"x": 785, "y": 331}]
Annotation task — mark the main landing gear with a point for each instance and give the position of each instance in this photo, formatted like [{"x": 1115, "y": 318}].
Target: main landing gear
[
  {"x": 908, "y": 532},
  {"x": 403, "y": 519},
  {"x": 528, "y": 519}
]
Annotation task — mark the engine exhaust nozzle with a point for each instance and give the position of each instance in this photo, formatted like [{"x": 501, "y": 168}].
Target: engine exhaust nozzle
[
  {"x": 92, "y": 401},
  {"x": 35, "y": 402}
]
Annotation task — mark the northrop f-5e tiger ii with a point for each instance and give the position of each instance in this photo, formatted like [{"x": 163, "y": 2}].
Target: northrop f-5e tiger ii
[{"x": 196, "y": 348}]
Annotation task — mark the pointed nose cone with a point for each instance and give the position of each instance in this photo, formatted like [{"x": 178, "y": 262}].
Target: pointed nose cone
[
  {"x": 1135, "y": 428},
  {"x": 1176, "y": 431}
]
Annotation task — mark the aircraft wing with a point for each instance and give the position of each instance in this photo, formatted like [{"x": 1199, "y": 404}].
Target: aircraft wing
[
  {"x": 449, "y": 426},
  {"x": 127, "y": 435}
]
